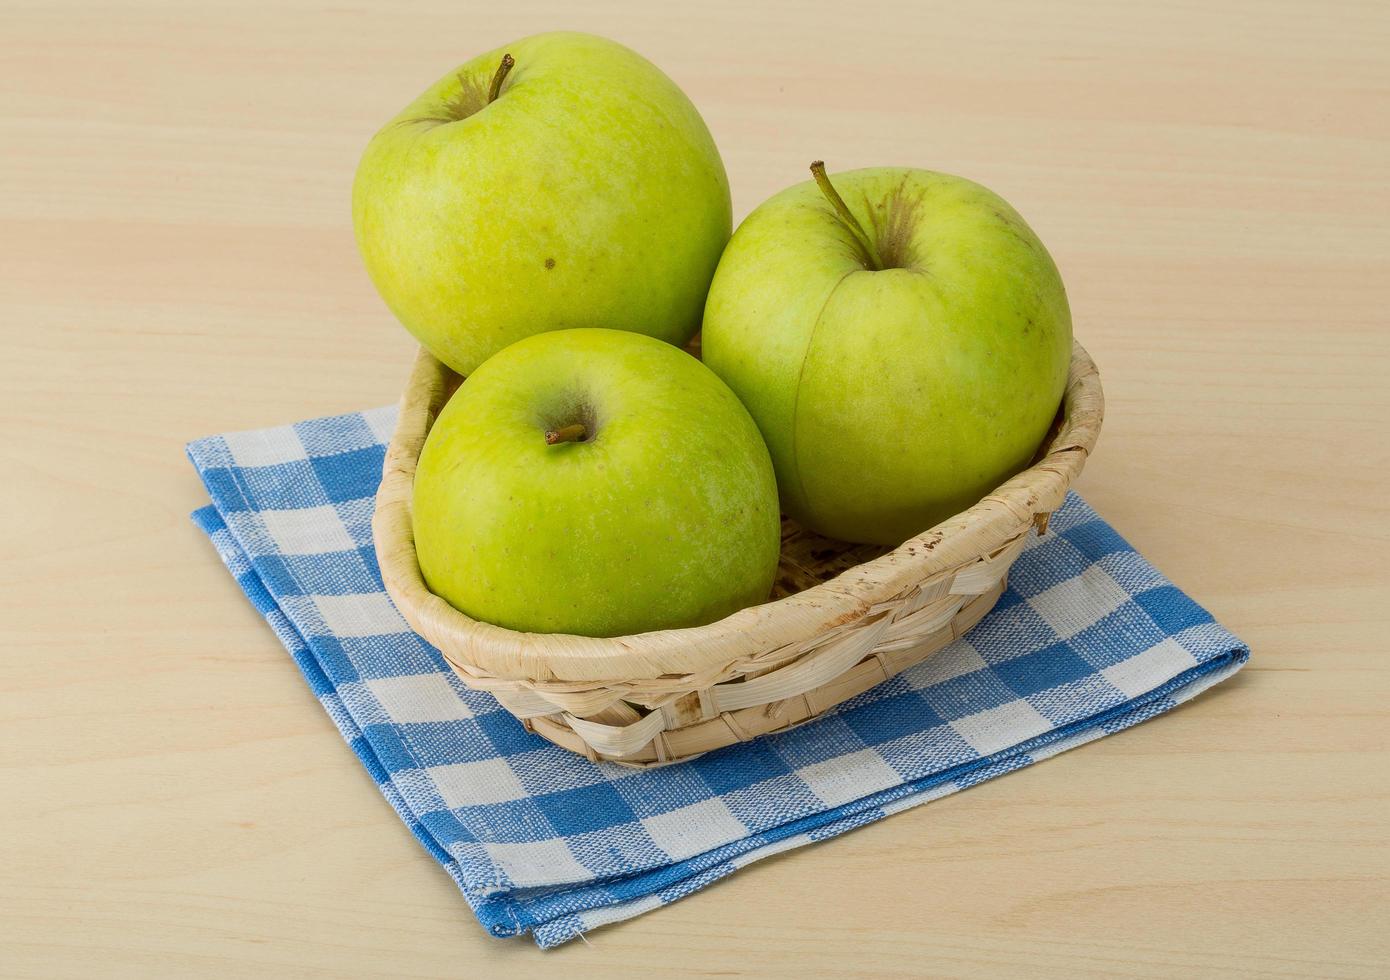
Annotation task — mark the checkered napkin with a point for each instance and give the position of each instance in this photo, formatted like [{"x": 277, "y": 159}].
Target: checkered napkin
[{"x": 1088, "y": 639}]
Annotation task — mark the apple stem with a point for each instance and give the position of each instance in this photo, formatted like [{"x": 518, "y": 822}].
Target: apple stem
[
  {"x": 498, "y": 77},
  {"x": 842, "y": 209},
  {"x": 568, "y": 433}
]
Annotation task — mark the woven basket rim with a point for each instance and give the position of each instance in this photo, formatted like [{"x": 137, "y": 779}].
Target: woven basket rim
[{"x": 488, "y": 650}]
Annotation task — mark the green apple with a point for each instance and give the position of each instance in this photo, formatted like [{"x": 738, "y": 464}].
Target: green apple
[
  {"x": 560, "y": 181},
  {"x": 596, "y": 482},
  {"x": 903, "y": 348}
]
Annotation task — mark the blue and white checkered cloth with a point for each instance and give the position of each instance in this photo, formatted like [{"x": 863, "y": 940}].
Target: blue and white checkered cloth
[{"x": 1088, "y": 639}]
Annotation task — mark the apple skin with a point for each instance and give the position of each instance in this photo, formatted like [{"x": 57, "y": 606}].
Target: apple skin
[
  {"x": 589, "y": 194},
  {"x": 890, "y": 399},
  {"x": 665, "y": 517}
]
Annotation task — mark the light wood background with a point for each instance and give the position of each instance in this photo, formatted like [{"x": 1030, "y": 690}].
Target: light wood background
[{"x": 176, "y": 259}]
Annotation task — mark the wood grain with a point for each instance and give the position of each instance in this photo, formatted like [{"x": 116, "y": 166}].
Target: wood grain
[{"x": 176, "y": 259}]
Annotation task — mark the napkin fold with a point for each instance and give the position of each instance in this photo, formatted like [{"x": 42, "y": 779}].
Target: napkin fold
[{"x": 1087, "y": 640}]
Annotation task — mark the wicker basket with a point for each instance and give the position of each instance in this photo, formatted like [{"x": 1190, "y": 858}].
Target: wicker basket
[{"x": 842, "y": 617}]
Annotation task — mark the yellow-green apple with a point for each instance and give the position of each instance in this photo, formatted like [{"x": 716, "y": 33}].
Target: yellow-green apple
[
  {"x": 903, "y": 347},
  {"x": 559, "y": 181},
  {"x": 595, "y": 482}
]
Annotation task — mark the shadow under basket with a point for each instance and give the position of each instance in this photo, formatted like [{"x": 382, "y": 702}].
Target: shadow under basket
[{"x": 841, "y": 619}]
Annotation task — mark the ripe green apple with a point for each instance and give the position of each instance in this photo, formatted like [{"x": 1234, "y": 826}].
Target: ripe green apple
[
  {"x": 596, "y": 482},
  {"x": 903, "y": 348},
  {"x": 573, "y": 186}
]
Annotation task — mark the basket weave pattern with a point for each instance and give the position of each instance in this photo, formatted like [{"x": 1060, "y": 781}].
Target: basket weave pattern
[{"x": 843, "y": 618}]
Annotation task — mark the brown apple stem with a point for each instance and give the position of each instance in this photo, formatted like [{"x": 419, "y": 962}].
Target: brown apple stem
[
  {"x": 568, "y": 433},
  {"x": 842, "y": 209},
  {"x": 499, "y": 76}
]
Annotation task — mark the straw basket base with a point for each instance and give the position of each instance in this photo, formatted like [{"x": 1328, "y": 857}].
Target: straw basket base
[
  {"x": 727, "y": 727},
  {"x": 842, "y": 618}
]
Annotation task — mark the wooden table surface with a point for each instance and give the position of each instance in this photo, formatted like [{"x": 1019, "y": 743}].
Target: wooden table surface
[{"x": 177, "y": 259}]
